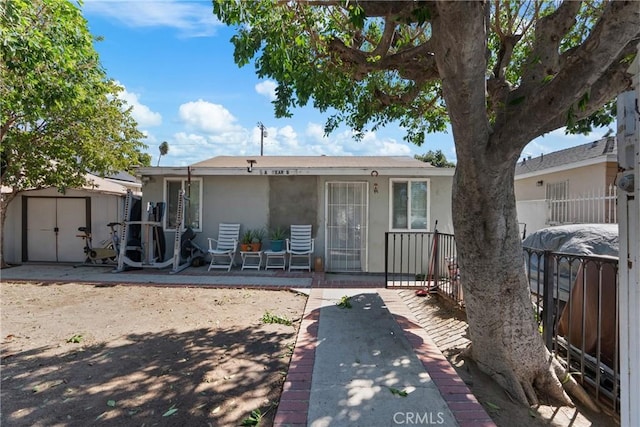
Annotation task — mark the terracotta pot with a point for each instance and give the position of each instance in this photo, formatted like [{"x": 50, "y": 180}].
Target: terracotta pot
[
  {"x": 255, "y": 247},
  {"x": 245, "y": 247}
]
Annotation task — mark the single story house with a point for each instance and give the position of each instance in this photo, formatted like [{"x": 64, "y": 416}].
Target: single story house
[
  {"x": 42, "y": 225},
  {"x": 574, "y": 185},
  {"x": 349, "y": 201}
]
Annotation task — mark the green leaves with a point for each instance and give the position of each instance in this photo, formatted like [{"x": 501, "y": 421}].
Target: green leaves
[
  {"x": 356, "y": 15},
  {"x": 170, "y": 411},
  {"x": 397, "y": 392},
  {"x": 435, "y": 158},
  {"x": 75, "y": 339},
  {"x": 61, "y": 115},
  {"x": 345, "y": 302}
]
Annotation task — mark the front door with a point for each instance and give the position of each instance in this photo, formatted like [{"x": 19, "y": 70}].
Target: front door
[
  {"x": 347, "y": 226},
  {"x": 52, "y": 226}
]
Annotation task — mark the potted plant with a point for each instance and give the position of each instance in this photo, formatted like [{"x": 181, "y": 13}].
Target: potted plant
[
  {"x": 245, "y": 241},
  {"x": 277, "y": 236},
  {"x": 256, "y": 239}
]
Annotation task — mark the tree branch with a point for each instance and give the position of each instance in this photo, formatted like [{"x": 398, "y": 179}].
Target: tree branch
[
  {"x": 616, "y": 80},
  {"x": 459, "y": 26},
  {"x": 618, "y": 28},
  {"x": 550, "y": 30},
  {"x": 387, "y": 37}
]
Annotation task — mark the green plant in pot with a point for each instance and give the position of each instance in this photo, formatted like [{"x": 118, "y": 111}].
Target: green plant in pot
[
  {"x": 256, "y": 239},
  {"x": 245, "y": 241},
  {"x": 277, "y": 236}
]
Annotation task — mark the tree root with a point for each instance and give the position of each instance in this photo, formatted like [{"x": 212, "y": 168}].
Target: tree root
[
  {"x": 555, "y": 383},
  {"x": 572, "y": 386}
]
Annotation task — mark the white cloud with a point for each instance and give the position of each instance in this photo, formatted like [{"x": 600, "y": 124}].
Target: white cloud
[
  {"x": 141, "y": 113},
  {"x": 191, "y": 19},
  {"x": 207, "y": 117},
  {"x": 267, "y": 88}
]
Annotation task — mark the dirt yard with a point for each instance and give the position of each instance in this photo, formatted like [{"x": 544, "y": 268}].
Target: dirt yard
[{"x": 79, "y": 355}]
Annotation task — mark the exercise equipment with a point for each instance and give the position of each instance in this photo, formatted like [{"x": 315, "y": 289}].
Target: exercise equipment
[
  {"x": 146, "y": 250},
  {"x": 107, "y": 253}
]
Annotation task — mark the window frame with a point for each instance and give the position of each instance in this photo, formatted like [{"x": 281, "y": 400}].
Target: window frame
[
  {"x": 409, "y": 181},
  {"x": 183, "y": 182}
]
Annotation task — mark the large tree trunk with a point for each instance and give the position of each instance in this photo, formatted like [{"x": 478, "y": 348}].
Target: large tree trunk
[
  {"x": 5, "y": 200},
  {"x": 506, "y": 343}
]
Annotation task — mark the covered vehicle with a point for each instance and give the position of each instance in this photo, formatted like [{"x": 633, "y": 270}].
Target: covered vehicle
[
  {"x": 583, "y": 266},
  {"x": 571, "y": 239}
]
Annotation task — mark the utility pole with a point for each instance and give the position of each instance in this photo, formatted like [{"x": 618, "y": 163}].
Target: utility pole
[{"x": 263, "y": 134}]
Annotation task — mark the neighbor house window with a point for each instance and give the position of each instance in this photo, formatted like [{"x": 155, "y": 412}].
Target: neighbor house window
[
  {"x": 192, "y": 205},
  {"x": 410, "y": 204}
]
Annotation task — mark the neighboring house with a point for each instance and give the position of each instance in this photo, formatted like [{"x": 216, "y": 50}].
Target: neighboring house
[
  {"x": 575, "y": 185},
  {"x": 350, "y": 201},
  {"x": 42, "y": 225},
  {"x": 127, "y": 180}
]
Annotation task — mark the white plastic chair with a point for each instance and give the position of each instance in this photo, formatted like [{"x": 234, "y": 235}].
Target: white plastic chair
[
  {"x": 300, "y": 247},
  {"x": 226, "y": 245}
]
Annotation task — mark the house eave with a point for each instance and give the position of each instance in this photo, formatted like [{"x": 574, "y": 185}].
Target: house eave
[{"x": 329, "y": 171}]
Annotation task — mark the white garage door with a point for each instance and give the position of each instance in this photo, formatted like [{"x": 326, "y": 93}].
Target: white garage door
[{"x": 52, "y": 226}]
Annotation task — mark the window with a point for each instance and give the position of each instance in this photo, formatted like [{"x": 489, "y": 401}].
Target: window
[
  {"x": 192, "y": 205},
  {"x": 410, "y": 204}
]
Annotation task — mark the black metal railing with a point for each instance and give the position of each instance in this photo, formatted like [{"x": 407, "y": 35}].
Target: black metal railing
[
  {"x": 575, "y": 298},
  {"x": 424, "y": 260}
]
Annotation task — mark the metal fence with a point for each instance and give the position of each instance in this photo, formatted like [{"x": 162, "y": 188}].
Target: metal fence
[
  {"x": 423, "y": 260},
  {"x": 574, "y": 298},
  {"x": 597, "y": 206},
  {"x": 575, "y": 302}
]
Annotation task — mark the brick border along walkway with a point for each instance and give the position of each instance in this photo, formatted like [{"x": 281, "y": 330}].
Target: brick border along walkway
[{"x": 294, "y": 401}]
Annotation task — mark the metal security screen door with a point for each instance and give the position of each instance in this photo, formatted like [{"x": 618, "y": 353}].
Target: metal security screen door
[{"x": 347, "y": 226}]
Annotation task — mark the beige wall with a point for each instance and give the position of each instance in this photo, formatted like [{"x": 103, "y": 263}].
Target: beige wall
[
  {"x": 260, "y": 201},
  {"x": 581, "y": 180}
]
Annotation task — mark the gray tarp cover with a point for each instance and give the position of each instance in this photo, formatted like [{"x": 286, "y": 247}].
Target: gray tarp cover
[{"x": 579, "y": 239}]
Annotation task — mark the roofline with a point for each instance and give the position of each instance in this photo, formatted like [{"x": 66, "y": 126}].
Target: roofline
[
  {"x": 322, "y": 171},
  {"x": 568, "y": 166}
]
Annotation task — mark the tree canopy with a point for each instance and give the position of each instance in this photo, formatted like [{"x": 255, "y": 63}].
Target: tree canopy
[
  {"x": 435, "y": 158},
  {"x": 501, "y": 73},
  {"x": 372, "y": 63},
  {"x": 60, "y": 115}
]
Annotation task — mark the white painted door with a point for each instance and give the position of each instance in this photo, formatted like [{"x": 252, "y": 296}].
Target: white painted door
[
  {"x": 347, "y": 226},
  {"x": 52, "y": 226}
]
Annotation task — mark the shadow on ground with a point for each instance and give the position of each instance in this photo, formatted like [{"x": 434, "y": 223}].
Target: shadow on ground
[{"x": 195, "y": 378}]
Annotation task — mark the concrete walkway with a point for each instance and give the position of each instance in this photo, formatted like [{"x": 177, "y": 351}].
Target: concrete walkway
[{"x": 368, "y": 365}]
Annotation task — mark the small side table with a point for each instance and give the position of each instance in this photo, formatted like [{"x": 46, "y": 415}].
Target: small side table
[
  {"x": 251, "y": 260},
  {"x": 275, "y": 259}
]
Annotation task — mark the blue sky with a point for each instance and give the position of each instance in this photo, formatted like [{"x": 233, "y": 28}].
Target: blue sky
[{"x": 175, "y": 61}]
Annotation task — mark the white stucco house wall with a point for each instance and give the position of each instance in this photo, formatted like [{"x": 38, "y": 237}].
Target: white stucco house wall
[
  {"x": 42, "y": 225},
  {"x": 349, "y": 201}
]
